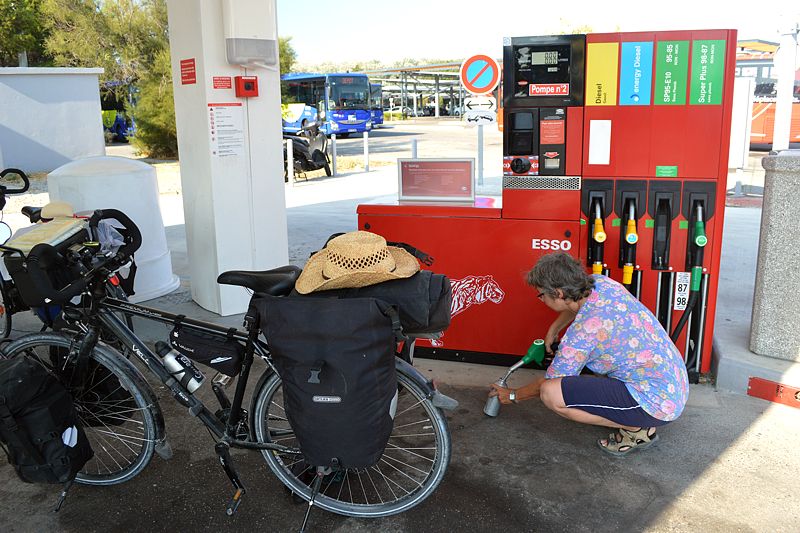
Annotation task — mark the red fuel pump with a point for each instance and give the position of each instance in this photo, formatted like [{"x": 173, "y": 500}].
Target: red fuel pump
[{"x": 614, "y": 150}]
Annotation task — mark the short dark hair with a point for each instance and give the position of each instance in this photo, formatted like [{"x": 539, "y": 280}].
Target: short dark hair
[{"x": 561, "y": 271}]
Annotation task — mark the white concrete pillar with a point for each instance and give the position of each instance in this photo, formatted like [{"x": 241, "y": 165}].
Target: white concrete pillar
[
  {"x": 230, "y": 147},
  {"x": 784, "y": 69}
]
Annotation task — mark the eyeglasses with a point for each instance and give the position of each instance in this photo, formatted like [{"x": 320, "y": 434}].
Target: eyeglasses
[{"x": 540, "y": 295}]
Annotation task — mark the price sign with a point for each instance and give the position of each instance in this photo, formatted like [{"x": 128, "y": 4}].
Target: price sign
[{"x": 682, "y": 281}]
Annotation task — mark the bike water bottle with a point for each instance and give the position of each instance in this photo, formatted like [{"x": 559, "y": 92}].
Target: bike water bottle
[{"x": 180, "y": 367}]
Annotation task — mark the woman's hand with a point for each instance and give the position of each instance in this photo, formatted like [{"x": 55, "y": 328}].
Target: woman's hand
[{"x": 501, "y": 392}]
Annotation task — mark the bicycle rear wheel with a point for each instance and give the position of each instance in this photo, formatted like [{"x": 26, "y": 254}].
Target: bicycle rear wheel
[
  {"x": 112, "y": 405},
  {"x": 412, "y": 466}
]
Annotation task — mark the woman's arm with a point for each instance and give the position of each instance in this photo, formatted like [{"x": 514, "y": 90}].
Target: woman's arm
[
  {"x": 526, "y": 392},
  {"x": 562, "y": 321}
]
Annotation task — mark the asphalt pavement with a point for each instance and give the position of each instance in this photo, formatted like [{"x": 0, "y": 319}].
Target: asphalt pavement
[{"x": 729, "y": 463}]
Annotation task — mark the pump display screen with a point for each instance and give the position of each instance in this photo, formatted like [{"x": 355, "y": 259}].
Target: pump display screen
[
  {"x": 544, "y": 58},
  {"x": 541, "y": 70}
]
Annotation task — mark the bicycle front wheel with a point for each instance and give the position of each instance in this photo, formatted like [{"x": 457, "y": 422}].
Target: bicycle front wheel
[
  {"x": 112, "y": 404},
  {"x": 411, "y": 467}
]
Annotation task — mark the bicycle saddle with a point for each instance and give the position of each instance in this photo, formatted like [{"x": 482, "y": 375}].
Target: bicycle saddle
[
  {"x": 34, "y": 214},
  {"x": 276, "y": 282}
]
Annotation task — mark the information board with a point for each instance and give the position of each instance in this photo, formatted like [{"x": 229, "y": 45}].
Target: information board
[{"x": 440, "y": 180}]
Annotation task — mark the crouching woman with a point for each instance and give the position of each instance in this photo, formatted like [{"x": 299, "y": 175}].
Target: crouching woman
[{"x": 640, "y": 382}]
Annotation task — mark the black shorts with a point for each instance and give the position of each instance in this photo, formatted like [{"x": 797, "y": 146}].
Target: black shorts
[{"x": 606, "y": 397}]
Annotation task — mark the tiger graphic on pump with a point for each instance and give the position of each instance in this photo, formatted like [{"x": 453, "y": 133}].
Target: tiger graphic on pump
[{"x": 472, "y": 290}]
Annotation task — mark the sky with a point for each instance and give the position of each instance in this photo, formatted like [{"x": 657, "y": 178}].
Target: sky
[{"x": 363, "y": 30}]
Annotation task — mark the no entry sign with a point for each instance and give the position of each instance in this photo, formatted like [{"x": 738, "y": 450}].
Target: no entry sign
[{"x": 480, "y": 74}]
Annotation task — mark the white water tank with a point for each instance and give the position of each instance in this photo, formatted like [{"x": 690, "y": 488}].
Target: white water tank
[{"x": 130, "y": 186}]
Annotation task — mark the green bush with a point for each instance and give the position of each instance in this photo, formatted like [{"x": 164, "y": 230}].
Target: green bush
[
  {"x": 154, "y": 113},
  {"x": 394, "y": 115},
  {"x": 109, "y": 116}
]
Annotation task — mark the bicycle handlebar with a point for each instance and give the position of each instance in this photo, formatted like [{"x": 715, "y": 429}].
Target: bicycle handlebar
[
  {"x": 42, "y": 255},
  {"x": 25, "y": 180}
]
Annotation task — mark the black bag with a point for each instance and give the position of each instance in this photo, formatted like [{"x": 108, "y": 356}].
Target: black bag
[
  {"x": 36, "y": 416},
  {"x": 223, "y": 354},
  {"x": 60, "y": 273},
  {"x": 423, "y": 300},
  {"x": 336, "y": 360}
]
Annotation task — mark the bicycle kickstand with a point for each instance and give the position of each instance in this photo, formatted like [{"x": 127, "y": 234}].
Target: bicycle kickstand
[
  {"x": 223, "y": 451},
  {"x": 321, "y": 472}
]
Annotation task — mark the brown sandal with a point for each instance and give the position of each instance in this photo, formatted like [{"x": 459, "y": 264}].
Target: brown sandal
[{"x": 624, "y": 441}]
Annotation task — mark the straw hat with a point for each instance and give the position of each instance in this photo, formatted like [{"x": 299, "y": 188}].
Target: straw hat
[
  {"x": 57, "y": 209},
  {"x": 355, "y": 259}
]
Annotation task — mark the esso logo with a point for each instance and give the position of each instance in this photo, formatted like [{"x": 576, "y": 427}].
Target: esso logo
[{"x": 551, "y": 244}]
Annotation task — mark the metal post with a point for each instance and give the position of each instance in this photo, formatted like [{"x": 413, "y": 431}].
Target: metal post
[
  {"x": 480, "y": 154},
  {"x": 290, "y": 161},
  {"x": 366, "y": 151},
  {"x": 333, "y": 152},
  {"x": 436, "y": 111},
  {"x": 413, "y": 148}
]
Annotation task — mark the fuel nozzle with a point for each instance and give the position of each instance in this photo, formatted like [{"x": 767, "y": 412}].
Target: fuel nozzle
[
  {"x": 697, "y": 245},
  {"x": 598, "y": 237},
  {"x": 535, "y": 353},
  {"x": 699, "y": 240},
  {"x": 631, "y": 238}
]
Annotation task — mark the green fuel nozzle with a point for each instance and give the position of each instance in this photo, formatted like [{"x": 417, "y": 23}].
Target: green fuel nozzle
[
  {"x": 535, "y": 353},
  {"x": 700, "y": 238}
]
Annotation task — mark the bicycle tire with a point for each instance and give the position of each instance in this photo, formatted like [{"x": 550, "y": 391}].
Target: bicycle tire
[
  {"x": 114, "y": 417},
  {"x": 5, "y": 316},
  {"x": 267, "y": 407}
]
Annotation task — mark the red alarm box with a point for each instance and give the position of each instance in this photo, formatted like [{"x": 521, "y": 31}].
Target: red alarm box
[{"x": 246, "y": 86}]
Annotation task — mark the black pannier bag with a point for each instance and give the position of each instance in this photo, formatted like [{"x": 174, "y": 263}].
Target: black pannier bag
[
  {"x": 39, "y": 426},
  {"x": 423, "y": 300},
  {"x": 223, "y": 354},
  {"x": 336, "y": 361}
]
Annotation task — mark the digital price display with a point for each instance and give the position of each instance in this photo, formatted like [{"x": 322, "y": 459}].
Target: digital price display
[{"x": 549, "y": 57}]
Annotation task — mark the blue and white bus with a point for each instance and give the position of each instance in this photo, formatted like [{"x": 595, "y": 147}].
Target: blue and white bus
[
  {"x": 376, "y": 103},
  {"x": 340, "y": 100}
]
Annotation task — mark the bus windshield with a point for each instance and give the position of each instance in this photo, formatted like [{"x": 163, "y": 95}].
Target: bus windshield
[{"x": 349, "y": 92}]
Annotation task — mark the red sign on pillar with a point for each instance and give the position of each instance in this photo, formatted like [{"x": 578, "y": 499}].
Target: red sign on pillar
[{"x": 188, "y": 71}]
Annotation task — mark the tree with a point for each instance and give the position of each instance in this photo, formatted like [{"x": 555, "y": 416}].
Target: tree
[
  {"x": 286, "y": 54},
  {"x": 154, "y": 113},
  {"x": 121, "y": 36},
  {"x": 22, "y": 34}
]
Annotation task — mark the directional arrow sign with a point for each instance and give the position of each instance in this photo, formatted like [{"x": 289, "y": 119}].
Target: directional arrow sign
[
  {"x": 476, "y": 118},
  {"x": 480, "y": 103}
]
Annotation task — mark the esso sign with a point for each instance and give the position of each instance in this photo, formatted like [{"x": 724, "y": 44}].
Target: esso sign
[{"x": 551, "y": 244}]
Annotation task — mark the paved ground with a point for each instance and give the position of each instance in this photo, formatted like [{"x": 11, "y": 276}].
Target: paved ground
[{"x": 729, "y": 463}]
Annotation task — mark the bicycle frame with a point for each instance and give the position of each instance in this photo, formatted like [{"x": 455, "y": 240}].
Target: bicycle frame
[{"x": 225, "y": 432}]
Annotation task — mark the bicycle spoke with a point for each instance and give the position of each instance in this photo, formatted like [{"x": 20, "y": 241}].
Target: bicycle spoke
[
  {"x": 386, "y": 456},
  {"x": 412, "y": 453},
  {"x": 375, "y": 488},
  {"x": 412, "y": 423},
  {"x": 409, "y": 408}
]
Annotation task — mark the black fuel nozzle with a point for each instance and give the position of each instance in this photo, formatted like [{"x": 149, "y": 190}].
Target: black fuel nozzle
[
  {"x": 596, "y": 245},
  {"x": 661, "y": 234},
  {"x": 631, "y": 237}
]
